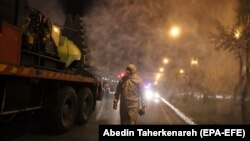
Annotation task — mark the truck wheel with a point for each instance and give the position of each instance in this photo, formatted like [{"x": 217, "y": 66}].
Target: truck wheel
[
  {"x": 65, "y": 110},
  {"x": 85, "y": 105}
]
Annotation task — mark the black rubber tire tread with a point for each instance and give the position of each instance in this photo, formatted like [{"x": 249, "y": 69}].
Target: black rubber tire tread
[
  {"x": 85, "y": 105},
  {"x": 66, "y": 97}
]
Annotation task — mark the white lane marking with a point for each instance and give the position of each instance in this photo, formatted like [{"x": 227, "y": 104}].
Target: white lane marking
[{"x": 179, "y": 113}]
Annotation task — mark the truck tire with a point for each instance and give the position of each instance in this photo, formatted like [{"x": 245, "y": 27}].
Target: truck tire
[
  {"x": 65, "y": 110},
  {"x": 85, "y": 105}
]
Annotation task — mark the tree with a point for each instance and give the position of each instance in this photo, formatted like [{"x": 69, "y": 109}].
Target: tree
[
  {"x": 244, "y": 24},
  {"x": 237, "y": 41}
]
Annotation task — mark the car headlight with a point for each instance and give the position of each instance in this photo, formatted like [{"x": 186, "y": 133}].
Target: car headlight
[
  {"x": 156, "y": 95},
  {"x": 149, "y": 94}
]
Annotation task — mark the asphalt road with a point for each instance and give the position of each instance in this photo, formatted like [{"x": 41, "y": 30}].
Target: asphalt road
[{"x": 26, "y": 130}]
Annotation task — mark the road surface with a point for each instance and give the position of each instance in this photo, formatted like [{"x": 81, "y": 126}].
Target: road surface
[{"x": 156, "y": 113}]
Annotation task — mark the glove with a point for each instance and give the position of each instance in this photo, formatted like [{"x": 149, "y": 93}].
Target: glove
[
  {"x": 115, "y": 105},
  {"x": 142, "y": 111}
]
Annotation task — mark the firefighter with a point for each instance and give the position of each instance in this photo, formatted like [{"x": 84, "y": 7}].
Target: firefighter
[{"x": 129, "y": 92}]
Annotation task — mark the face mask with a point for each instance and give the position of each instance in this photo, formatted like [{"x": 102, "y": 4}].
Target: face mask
[{"x": 127, "y": 72}]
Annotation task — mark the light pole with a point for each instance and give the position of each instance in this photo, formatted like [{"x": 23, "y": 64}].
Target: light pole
[{"x": 194, "y": 75}]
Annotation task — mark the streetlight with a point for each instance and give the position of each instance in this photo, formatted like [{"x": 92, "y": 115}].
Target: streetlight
[
  {"x": 158, "y": 75},
  {"x": 165, "y": 61},
  {"x": 181, "y": 71},
  {"x": 161, "y": 69},
  {"x": 174, "y": 31},
  {"x": 237, "y": 34},
  {"x": 194, "y": 61}
]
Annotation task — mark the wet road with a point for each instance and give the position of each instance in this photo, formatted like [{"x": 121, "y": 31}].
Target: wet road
[{"x": 156, "y": 113}]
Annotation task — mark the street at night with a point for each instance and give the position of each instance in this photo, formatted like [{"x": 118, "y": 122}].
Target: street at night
[
  {"x": 157, "y": 114},
  {"x": 67, "y": 67}
]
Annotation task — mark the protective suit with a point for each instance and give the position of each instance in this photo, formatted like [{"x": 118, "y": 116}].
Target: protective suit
[{"x": 130, "y": 93}]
